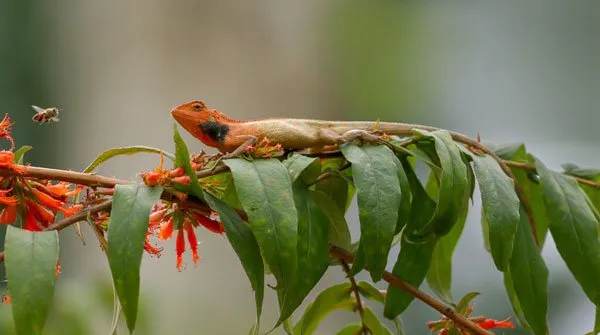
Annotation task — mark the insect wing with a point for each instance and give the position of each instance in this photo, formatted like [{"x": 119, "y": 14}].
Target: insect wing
[{"x": 37, "y": 109}]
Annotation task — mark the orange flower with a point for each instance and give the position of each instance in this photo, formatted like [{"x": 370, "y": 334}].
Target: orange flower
[
  {"x": 166, "y": 230},
  {"x": 152, "y": 250},
  {"x": 491, "y": 323},
  {"x": 212, "y": 225},
  {"x": 5, "y": 125},
  {"x": 40, "y": 213},
  {"x": 177, "y": 172},
  {"x": 180, "y": 248},
  {"x": 184, "y": 180},
  {"x": 189, "y": 229},
  {"x": 71, "y": 210},
  {"x": 7, "y": 200},
  {"x": 9, "y": 215},
  {"x": 6, "y": 299},
  {"x": 47, "y": 200},
  {"x": 61, "y": 189},
  {"x": 30, "y": 223},
  {"x": 7, "y": 158},
  {"x": 156, "y": 216}
]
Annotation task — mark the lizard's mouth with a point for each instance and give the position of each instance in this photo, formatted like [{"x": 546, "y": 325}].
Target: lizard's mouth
[{"x": 185, "y": 119}]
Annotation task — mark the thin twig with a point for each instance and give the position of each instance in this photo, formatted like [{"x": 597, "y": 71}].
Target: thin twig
[
  {"x": 87, "y": 179},
  {"x": 532, "y": 168},
  {"x": 395, "y": 281},
  {"x": 329, "y": 174},
  {"x": 80, "y": 216},
  {"x": 359, "y": 306}
]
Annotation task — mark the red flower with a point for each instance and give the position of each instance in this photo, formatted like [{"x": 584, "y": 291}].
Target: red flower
[
  {"x": 180, "y": 248},
  {"x": 6, "y": 199},
  {"x": 152, "y": 250},
  {"x": 5, "y": 125},
  {"x": 183, "y": 180},
  {"x": 30, "y": 223},
  {"x": 491, "y": 323},
  {"x": 166, "y": 230},
  {"x": 9, "y": 215},
  {"x": 7, "y": 158},
  {"x": 40, "y": 213},
  {"x": 212, "y": 225},
  {"x": 187, "y": 225},
  {"x": 62, "y": 189}
]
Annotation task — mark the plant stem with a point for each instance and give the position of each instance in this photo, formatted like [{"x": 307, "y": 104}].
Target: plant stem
[
  {"x": 532, "y": 168},
  {"x": 395, "y": 281},
  {"x": 359, "y": 306}
]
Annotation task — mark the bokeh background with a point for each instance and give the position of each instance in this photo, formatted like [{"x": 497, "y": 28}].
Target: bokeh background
[{"x": 514, "y": 72}]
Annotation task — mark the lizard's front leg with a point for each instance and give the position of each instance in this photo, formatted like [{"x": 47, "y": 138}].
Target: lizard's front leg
[{"x": 250, "y": 141}]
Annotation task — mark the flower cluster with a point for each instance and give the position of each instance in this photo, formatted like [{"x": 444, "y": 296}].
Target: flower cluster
[
  {"x": 445, "y": 325},
  {"x": 265, "y": 149},
  {"x": 36, "y": 200},
  {"x": 166, "y": 217}
]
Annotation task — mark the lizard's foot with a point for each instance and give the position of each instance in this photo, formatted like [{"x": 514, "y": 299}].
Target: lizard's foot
[
  {"x": 250, "y": 141},
  {"x": 362, "y": 135}
]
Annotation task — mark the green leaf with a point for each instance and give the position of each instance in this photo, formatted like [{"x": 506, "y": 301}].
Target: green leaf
[
  {"x": 531, "y": 188},
  {"x": 439, "y": 275},
  {"x": 422, "y": 206},
  {"x": 415, "y": 253},
  {"x": 509, "y": 151},
  {"x": 30, "y": 260},
  {"x": 514, "y": 301},
  {"x": 312, "y": 248},
  {"x": 404, "y": 208},
  {"x": 221, "y": 186},
  {"x": 378, "y": 189},
  {"x": 500, "y": 205},
  {"x": 465, "y": 301},
  {"x": 136, "y": 149},
  {"x": 574, "y": 229},
  {"x": 339, "y": 235},
  {"x": 453, "y": 185},
  {"x": 372, "y": 322},
  {"x": 370, "y": 292},
  {"x": 529, "y": 277},
  {"x": 298, "y": 165},
  {"x": 411, "y": 266},
  {"x": 20, "y": 153},
  {"x": 265, "y": 191},
  {"x": 576, "y": 171},
  {"x": 351, "y": 330},
  {"x": 336, "y": 187},
  {"x": 126, "y": 236},
  {"x": 330, "y": 299},
  {"x": 246, "y": 247},
  {"x": 597, "y": 322},
  {"x": 182, "y": 159},
  {"x": 485, "y": 229}
]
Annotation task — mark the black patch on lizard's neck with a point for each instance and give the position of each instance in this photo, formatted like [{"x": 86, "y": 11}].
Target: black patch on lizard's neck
[{"x": 215, "y": 130}]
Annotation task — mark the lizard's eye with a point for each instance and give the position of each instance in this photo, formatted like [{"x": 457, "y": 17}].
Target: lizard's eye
[{"x": 197, "y": 107}]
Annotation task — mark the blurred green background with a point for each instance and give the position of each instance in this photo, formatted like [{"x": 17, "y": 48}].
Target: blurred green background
[{"x": 510, "y": 71}]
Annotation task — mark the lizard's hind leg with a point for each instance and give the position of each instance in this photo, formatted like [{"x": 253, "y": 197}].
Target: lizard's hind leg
[{"x": 363, "y": 136}]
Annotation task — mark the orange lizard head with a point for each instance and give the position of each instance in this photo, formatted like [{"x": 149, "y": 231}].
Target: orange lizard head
[{"x": 206, "y": 124}]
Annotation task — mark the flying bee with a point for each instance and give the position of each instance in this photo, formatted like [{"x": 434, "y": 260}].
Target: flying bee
[{"x": 44, "y": 115}]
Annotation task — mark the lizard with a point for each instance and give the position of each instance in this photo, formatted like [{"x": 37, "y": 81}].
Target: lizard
[{"x": 231, "y": 137}]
